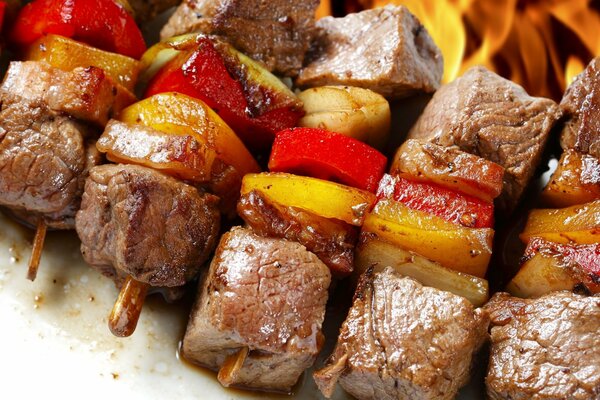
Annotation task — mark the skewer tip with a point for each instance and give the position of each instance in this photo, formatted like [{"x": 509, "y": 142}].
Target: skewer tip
[
  {"x": 36, "y": 251},
  {"x": 126, "y": 312}
]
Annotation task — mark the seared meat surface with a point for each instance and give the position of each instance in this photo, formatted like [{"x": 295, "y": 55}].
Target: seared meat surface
[
  {"x": 487, "y": 115},
  {"x": 267, "y": 295},
  {"x": 546, "y": 348},
  {"x": 332, "y": 241},
  {"x": 134, "y": 220},
  {"x": 386, "y": 50},
  {"x": 581, "y": 104},
  {"x": 277, "y": 33},
  {"x": 44, "y": 160},
  {"x": 85, "y": 93},
  {"x": 402, "y": 340}
]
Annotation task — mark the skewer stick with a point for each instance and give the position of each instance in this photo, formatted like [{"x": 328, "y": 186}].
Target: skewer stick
[
  {"x": 36, "y": 251},
  {"x": 231, "y": 366},
  {"x": 127, "y": 309}
]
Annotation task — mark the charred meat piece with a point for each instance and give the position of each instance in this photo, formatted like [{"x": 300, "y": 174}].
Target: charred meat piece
[
  {"x": 136, "y": 221},
  {"x": 487, "y": 115},
  {"x": 44, "y": 161},
  {"x": 581, "y": 104},
  {"x": 402, "y": 340},
  {"x": 332, "y": 241},
  {"x": 262, "y": 294},
  {"x": 277, "y": 33},
  {"x": 546, "y": 348},
  {"x": 146, "y": 10},
  {"x": 85, "y": 93},
  {"x": 386, "y": 50}
]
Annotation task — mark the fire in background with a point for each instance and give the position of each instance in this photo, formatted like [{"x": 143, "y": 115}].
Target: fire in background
[{"x": 540, "y": 44}]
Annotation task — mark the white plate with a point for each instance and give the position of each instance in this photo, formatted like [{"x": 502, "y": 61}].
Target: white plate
[{"x": 55, "y": 340}]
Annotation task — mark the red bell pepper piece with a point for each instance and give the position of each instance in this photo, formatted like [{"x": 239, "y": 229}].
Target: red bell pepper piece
[
  {"x": 587, "y": 256},
  {"x": 100, "y": 23},
  {"x": 202, "y": 73},
  {"x": 452, "y": 206},
  {"x": 329, "y": 156}
]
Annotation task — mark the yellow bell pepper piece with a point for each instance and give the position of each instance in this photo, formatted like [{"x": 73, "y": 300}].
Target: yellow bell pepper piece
[
  {"x": 577, "y": 224},
  {"x": 183, "y": 115},
  {"x": 324, "y": 198},
  {"x": 68, "y": 54},
  {"x": 456, "y": 247}
]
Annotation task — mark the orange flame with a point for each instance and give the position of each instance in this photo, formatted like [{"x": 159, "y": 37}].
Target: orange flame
[{"x": 540, "y": 44}]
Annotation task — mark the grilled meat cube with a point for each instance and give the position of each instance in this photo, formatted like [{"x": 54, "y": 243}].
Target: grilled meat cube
[
  {"x": 277, "y": 33},
  {"x": 494, "y": 118},
  {"x": 580, "y": 103},
  {"x": 44, "y": 160},
  {"x": 402, "y": 340},
  {"x": 265, "y": 294},
  {"x": 134, "y": 220},
  {"x": 85, "y": 93},
  {"x": 546, "y": 348},
  {"x": 386, "y": 50},
  {"x": 331, "y": 240}
]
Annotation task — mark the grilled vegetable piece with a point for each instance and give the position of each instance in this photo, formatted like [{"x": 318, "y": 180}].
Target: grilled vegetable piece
[
  {"x": 323, "y": 198},
  {"x": 176, "y": 113},
  {"x": 375, "y": 253},
  {"x": 178, "y": 154},
  {"x": 266, "y": 295},
  {"x": 454, "y": 207},
  {"x": 462, "y": 249},
  {"x": 329, "y": 239},
  {"x": 352, "y": 111},
  {"x": 85, "y": 93},
  {"x": 449, "y": 167},
  {"x": 402, "y": 340},
  {"x": 329, "y": 156},
  {"x": 575, "y": 181},
  {"x": 577, "y": 224},
  {"x": 104, "y": 24},
  {"x": 255, "y": 103},
  {"x": 552, "y": 266},
  {"x": 137, "y": 222},
  {"x": 68, "y": 54}
]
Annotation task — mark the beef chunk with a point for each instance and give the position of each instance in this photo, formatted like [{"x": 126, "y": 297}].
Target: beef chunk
[
  {"x": 487, "y": 115},
  {"x": 43, "y": 162},
  {"x": 581, "y": 104},
  {"x": 386, "y": 50},
  {"x": 277, "y": 33},
  {"x": 547, "y": 348},
  {"x": 85, "y": 93},
  {"x": 332, "y": 241},
  {"x": 402, "y": 340},
  {"x": 137, "y": 221},
  {"x": 266, "y": 295},
  {"x": 146, "y": 10}
]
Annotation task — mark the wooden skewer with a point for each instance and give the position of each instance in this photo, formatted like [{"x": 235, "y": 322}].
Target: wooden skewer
[
  {"x": 127, "y": 309},
  {"x": 36, "y": 251},
  {"x": 231, "y": 366}
]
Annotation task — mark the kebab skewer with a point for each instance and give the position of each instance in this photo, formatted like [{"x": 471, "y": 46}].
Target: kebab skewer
[{"x": 64, "y": 93}]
